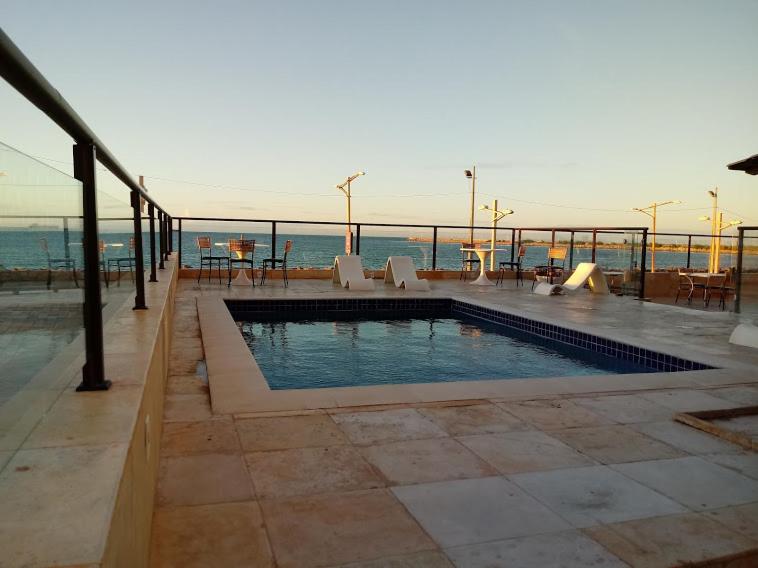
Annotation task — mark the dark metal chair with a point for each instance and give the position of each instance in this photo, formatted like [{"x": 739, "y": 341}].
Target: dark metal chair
[
  {"x": 272, "y": 262},
  {"x": 686, "y": 285},
  {"x": 511, "y": 265},
  {"x": 238, "y": 251},
  {"x": 56, "y": 263},
  {"x": 468, "y": 261},
  {"x": 721, "y": 285},
  {"x": 208, "y": 258},
  {"x": 552, "y": 269},
  {"x": 127, "y": 261}
]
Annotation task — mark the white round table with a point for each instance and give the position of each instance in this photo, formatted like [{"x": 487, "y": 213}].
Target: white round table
[
  {"x": 482, "y": 254},
  {"x": 242, "y": 279}
]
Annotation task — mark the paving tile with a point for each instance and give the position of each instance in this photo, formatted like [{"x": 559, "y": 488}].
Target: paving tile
[
  {"x": 669, "y": 541},
  {"x": 40, "y": 487},
  {"x": 203, "y": 479},
  {"x": 387, "y": 426},
  {"x": 746, "y": 425},
  {"x": 694, "y": 482},
  {"x": 225, "y": 534},
  {"x": 473, "y": 419},
  {"x": 306, "y": 471},
  {"x": 568, "y": 549},
  {"x": 208, "y": 436},
  {"x": 183, "y": 365},
  {"x": 284, "y": 432},
  {"x": 739, "y": 396},
  {"x": 740, "y": 518},
  {"x": 745, "y": 463},
  {"x": 471, "y": 511},
  {"x": 428, "y": 559},
  {"x": 626, "y": 408},
  {"x": 591, "y": 495},
  {"x": 187, "y": 408},
  {"x": 686, "y": 438},
  {"x": 186, "y": 384},
  {"x": 327, "y": 530},
  {"x": 555, "y": 414},
  {"x": 615, "y": 444},
  {"x": 419, "y": 461},
  {"x": 515, "y": 452},
  {"x": 87, "y": 418},
  {"x": 687, "y": 400}
]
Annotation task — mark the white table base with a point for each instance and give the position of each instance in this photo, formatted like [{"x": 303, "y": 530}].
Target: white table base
[{"x": 242, "y": 279}]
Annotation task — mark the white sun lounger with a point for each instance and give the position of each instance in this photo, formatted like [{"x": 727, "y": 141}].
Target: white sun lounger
[
  {"x": 586, "y": 272},
  {"x": 745, "y": 334},
  {"x": 348, "y": 271},
  {"x": 401, "y": 271}
]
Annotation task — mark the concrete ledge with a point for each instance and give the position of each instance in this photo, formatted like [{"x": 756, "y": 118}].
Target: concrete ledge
[
  {"x": 238, "y": 386},
  {"x": 80, "y": 489}
]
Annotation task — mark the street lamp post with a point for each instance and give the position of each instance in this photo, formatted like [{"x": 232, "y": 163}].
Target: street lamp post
[
  {"x": 652, "y": 212},
  {"x": 344, "y": 187},
  {"x": 714, "y": 260},
  {"x": 496, "y": 216}
]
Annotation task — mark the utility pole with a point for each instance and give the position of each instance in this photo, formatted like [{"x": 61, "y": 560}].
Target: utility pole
[{"x": 652, "y": 212}]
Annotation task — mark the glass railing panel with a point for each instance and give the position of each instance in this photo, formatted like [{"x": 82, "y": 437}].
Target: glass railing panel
[
  {"x": 116, "y": 231},
  {"x": 379, "y": 243},
  {"x": 41, "y": 290}
]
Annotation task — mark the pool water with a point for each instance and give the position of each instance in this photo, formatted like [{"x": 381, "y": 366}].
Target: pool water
[{"x": 358, "y": 352}]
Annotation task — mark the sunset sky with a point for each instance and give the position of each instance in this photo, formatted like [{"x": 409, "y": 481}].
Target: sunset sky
[{"x": 573, "y": 112}]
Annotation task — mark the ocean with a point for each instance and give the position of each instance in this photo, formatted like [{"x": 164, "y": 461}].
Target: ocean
[{"x": 21, "y": 249}]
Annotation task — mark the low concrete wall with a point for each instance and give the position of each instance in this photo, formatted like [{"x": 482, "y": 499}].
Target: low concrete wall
[
  {"x": 129, "y": 536},
  {"x": 79, "y": 489}
]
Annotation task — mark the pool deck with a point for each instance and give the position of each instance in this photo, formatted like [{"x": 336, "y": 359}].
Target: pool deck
[{"x": 555, "y": 472}]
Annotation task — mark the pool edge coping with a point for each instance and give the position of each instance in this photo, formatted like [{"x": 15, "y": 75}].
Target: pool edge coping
[{"x": 237, "y": 385}]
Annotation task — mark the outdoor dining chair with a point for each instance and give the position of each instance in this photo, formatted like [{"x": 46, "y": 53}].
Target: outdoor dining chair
[
  {"x": 273, "y": 261},
  {"x": 207, "y": 258},
  {"x": 720, "y": 284},
  {"x": 511, "y": 264},
  {"x": 687, "y": 286},
  {"x": 239, "y": 249},
  {"x": 469, "y": 261},
  {"x": 555, "y": 267},
  {"x": 56, "y": 263},
  {"x": 124, "y": 261}
]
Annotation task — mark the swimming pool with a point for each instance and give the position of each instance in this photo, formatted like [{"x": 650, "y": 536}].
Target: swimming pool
[{"x": 300, "y": 344}]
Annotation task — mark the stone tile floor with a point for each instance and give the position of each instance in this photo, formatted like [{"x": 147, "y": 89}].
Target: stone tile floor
[{"x": 592, "y": 481}]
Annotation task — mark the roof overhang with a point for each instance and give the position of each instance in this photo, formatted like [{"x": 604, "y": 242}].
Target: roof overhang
[{"x": 748, "y": 165}]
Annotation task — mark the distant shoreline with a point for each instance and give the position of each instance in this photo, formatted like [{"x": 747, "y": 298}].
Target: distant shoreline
[{"x": 588, "y": 245}]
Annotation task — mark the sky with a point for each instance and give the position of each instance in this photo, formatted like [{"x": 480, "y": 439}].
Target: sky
[{"x": 573, "y": 112}]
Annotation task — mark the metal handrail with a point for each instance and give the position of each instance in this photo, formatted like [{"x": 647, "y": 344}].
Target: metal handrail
[{"x": 22, "y": 75}]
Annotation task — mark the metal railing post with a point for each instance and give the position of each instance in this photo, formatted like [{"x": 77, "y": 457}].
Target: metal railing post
[
  {"x": 643, "y": 263},
  {"x": 434, "y": 248},
  {"x": 139, "y": 263},
  {"x": 594, "y": 244},
  {"x": 689, "y": 249},
  {"x": 165, "y": 235},
  {"x": 151, "y": 214},
  {"x": 179, "y": 247},
  {"x": 93, "y": 372},
  {"x": 170, "y": 234},
  {"x": 571, "y": 252},
  {"x": 273, "y": 245},
  {"x": 552, "y": 238},
  {"x": 357, "y": 238},
  {"x": 161, "y": 238},
  {"x": 66, "y": 240},
  {"x": 513, "y": 244},
  {"x": 738, "y": 273}
]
